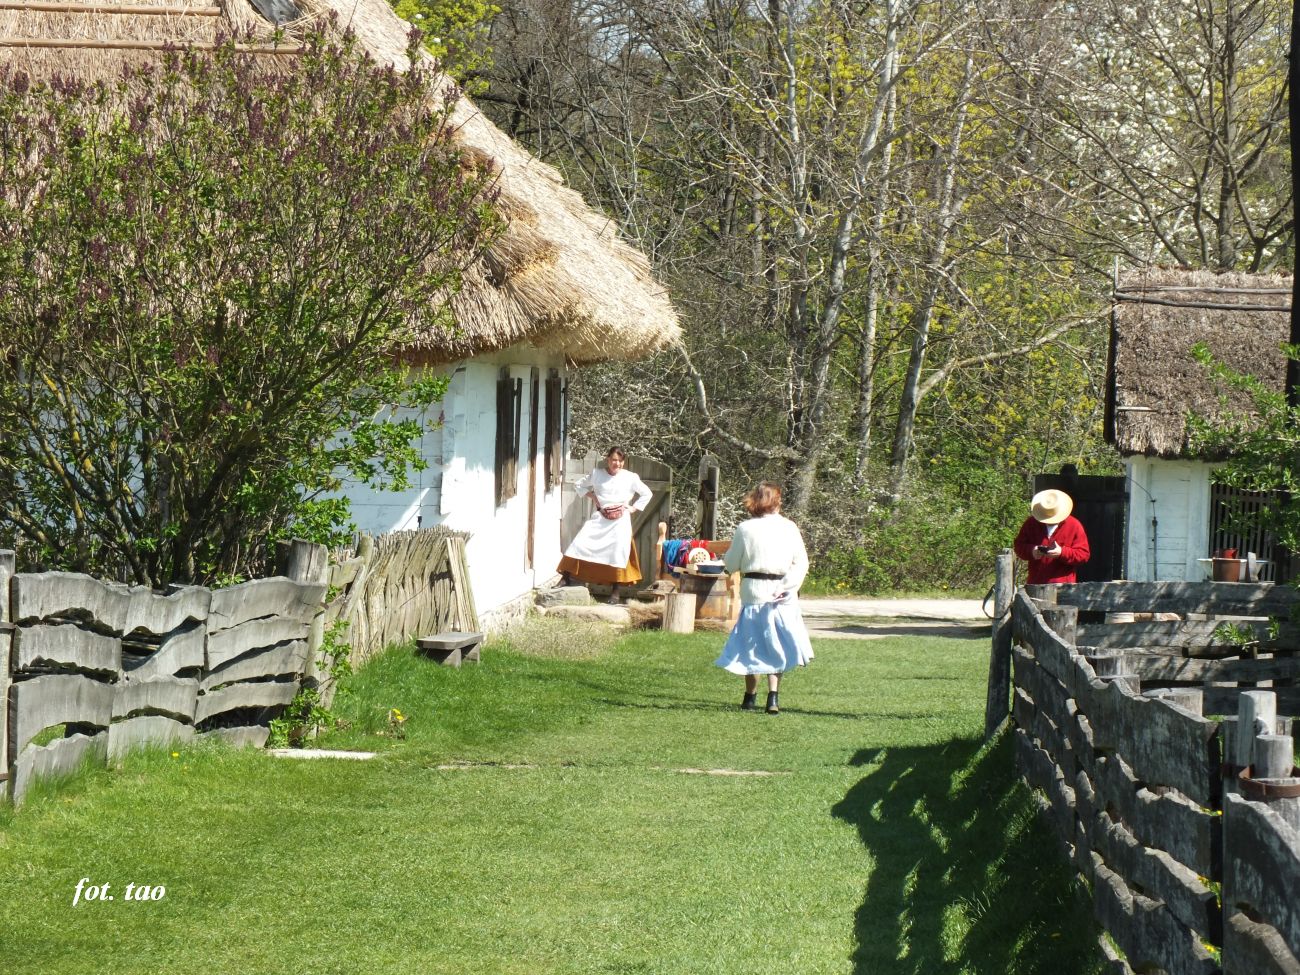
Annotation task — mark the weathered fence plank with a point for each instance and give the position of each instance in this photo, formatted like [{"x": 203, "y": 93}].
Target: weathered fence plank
[
  {"x": 261, "y": 694},
  {"x": 1261, "y": 869},
  {"x": 1169, "y": 822},
  {"x": 225, "y": 645},
  {"x": 180, "y": 650},
  {"x": 1047, "y": 693},
  {"x": 53, "y": 699},
  {"x": 1150, "y": 666},
  {"x": 1044, "y": 731},
  {"x": 58, "y": 758},
  {"x": 171, "y": 696},
  {"x": 285, "y": 658},
  {"x": 147, "y": 729},
  {"x": 1158, "y": 875},
  {"x": 276, "y": 596},
  {"x": 1150, "y": 936},
  {"x": 1223, "y": 700},
  {"x": 66, "y": 645},
  {"x": 1255, "y": 949},
  {"x": 1175, "y": 633},
  {"x": 1161, "y": 742},
  {"x": 121, "y": 609},
  {"x": 1224, "y": 599},
  {"x": 248, "y": 736}
]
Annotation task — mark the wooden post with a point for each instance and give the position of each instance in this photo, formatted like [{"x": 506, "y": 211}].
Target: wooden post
[
  {"x": 1272, "y": 765},
  {"x": 996, "y": 706},
  {"x": 679, "y": 612},
  {"x": 8, "y": 563},
  {"x": 8, "y": 566},
  {"x": 707, "y": 522},
  {"x": 1256, "y": 714},
  {"x": 309, "y": 562},
  {"x": 1042, "y": 594},
  {"x": 1065, "y": 621}
]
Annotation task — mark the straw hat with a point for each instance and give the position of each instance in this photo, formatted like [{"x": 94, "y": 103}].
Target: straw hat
[{"x": 1051, "y": 507}]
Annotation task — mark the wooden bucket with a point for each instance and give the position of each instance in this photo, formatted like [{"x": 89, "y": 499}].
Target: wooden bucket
[{"x": 711, "y": 601}]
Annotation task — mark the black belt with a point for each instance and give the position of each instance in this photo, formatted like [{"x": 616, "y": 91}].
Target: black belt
[{"x": 764, "y": 575}]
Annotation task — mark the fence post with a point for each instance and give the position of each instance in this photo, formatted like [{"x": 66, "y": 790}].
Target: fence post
[
  {"x": 309, "y": 562},
  {"x": 1064, "y": 620},
  {"x": 996, "y": 706},
  {"x": 8, "y": 563}
]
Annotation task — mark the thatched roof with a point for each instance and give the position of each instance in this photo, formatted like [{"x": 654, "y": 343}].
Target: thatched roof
[
  {"x": 559, "y": 277},
  {"x": 1154, "y": 382}
]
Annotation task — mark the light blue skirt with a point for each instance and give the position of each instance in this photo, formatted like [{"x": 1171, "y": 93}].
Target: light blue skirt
[{"x": 768, "y": 638}]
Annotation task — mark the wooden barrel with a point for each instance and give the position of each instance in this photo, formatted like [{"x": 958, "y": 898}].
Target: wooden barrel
[{"x": 711, "y": 601}]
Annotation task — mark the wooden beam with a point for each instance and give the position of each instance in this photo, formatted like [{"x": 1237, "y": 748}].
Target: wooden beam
[
  {"x": 1212, "y": 305},
  {"x": 132, "y": 9},
  {"x": 41, "y": 42}
]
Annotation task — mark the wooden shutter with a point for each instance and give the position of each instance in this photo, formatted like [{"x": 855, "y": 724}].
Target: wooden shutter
[
  {"x": 509, "y": 395},
  {"x": 554, "y": 431}
]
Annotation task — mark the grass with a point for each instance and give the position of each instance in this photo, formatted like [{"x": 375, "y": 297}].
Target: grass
[{"x": 538, "y": 817}]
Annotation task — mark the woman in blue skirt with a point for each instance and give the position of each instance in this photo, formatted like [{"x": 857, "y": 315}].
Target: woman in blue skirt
[{"x": 769, "y": 637}]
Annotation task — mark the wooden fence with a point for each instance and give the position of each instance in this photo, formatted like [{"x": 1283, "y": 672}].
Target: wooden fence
[
  {"x": 400, "y": 586},
  {"x": 1184, "y": 822},
  {"x": 91, "y": 669}
]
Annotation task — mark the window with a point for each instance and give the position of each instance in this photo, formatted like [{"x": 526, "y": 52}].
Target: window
[{"x": 510, "y": 394}]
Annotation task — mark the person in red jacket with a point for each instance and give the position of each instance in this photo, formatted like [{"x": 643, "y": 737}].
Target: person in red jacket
[{"x": 1050, "y": 540}]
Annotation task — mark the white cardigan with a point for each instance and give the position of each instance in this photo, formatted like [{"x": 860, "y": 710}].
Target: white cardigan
[
  {"x": 601, "y": 539},
  {"x": 772, "y": 544}
]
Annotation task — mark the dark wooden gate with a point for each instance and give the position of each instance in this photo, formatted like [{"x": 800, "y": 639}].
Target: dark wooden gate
[{"x": 1101, "y": 505}]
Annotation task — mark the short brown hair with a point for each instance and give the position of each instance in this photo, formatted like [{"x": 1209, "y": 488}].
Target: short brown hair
[
  {"x": 622, "y": 454},
  {"x": 764, "y": 499}
]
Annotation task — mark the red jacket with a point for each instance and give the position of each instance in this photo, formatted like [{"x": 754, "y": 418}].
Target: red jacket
[{"x": 1069, "y": 535}]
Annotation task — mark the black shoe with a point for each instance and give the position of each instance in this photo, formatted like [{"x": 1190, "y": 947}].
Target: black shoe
[
  {"x": 747, "y": 703},
  {"x": 771, "y": 703}
]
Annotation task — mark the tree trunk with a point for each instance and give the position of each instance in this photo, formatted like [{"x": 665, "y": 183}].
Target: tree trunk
[{"x": 949, "y": 205}]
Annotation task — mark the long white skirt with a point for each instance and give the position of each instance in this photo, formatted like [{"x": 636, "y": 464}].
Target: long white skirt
[{"x": 768, "y": 638}]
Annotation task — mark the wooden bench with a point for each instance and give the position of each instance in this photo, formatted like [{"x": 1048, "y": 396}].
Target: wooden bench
[{"x": 449, "y": 649}]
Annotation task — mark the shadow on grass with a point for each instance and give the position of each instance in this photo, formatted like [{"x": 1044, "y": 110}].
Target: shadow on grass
[{"x": 965, "y": 876}]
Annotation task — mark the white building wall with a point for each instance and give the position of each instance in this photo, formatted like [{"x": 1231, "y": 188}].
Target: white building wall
[
  {"x": 458, "y": 487},
  {"x": 1176, "y": 494}
]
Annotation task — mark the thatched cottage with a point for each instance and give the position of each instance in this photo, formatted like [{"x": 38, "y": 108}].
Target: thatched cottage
[
  {"x": 558, "y": 289},
  {"x": 1175, "y": 514}
]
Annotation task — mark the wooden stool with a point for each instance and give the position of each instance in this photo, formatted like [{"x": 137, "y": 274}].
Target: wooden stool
[{"x": 449, "y": 649}]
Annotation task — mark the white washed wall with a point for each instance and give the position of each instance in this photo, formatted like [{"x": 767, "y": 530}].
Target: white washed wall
[
  {"x": 1177, "y": 494},
  {"x": 457, "y": 488}
]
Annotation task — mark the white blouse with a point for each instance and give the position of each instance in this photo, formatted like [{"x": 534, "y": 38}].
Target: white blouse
[{"x": 771, "y": 544}]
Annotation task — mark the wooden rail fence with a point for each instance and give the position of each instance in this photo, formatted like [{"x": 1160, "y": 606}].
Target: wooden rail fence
[
  {"x": 1164, "y": 756},
  {"x": 92, "y": 669}
]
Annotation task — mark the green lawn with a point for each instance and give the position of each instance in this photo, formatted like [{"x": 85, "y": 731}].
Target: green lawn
[{"x": 538, "y": 818}]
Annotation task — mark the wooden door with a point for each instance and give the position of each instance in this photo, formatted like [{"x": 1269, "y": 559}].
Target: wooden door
[{"x": 1101, "y": 505}]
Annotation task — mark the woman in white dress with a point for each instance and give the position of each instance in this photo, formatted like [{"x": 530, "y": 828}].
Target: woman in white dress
[
  {"x": 769, "y": 637},
  {"x": 603, "y": 551}
]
